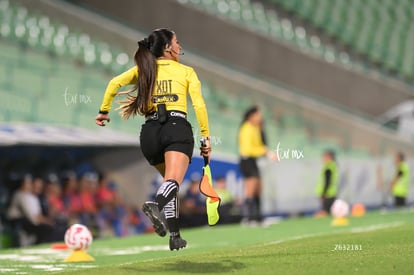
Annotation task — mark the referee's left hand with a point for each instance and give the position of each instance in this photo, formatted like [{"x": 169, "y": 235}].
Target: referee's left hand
[{"x": 101, "y": 118}]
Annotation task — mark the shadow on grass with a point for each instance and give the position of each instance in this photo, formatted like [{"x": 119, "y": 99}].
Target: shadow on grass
[{"x": 190, "y": 267}]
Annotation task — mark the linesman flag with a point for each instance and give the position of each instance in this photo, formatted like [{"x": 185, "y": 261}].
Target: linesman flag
[{"x": 206, "y": 188}]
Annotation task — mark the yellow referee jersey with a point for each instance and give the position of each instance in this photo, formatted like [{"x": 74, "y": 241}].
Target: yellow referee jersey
[
  {"x": 250, "y": 141},
  {"x": 174, "y": 81}
]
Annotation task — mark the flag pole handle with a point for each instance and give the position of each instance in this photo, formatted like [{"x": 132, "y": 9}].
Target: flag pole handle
[{"x": 204, "y": 144}]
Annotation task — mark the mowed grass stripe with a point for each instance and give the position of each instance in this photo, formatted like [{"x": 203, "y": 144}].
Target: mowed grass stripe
[
  {"x": 147, "y": 249},
  {"x": 383, "y": 251}
]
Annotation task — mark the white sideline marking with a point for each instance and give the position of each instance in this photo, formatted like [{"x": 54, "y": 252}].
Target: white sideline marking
[
  {"x": 360, "y": 229},
  {"x": 34, "y": 256},
  {"x": 47, "y": 267},
  {"x": 376, "y": 227},
  {"x": 9, "y": 256},
  {"x": 44, "y": 251},
  {"x": 300, "y": 237},
  {"x": 7, "y": 270},
  {"x": 132, "y": 250}
]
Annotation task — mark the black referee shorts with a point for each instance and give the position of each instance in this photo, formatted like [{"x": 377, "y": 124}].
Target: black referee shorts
[
  {"x": 249, "y": 168},
  {"x": 174, "y": 135}
]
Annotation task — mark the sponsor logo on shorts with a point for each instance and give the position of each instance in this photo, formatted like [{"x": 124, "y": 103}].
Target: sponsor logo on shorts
[{"x": 177, "y": 114}]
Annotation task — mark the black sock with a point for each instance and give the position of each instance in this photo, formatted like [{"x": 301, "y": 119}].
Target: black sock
[
  {"x": 257, "y": 215},
  {"x": 171, "y": 214},
  {"x": 250, "y": 208},
  {"x": 167, "y": 191}
]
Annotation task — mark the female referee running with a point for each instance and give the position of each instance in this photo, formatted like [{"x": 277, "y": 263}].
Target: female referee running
[{"x": 167, "y": 142}]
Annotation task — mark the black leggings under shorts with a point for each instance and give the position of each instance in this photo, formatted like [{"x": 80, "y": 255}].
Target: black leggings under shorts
[
  {"x": 174, "y": 135},
  {"x": 249, "y": 168}
]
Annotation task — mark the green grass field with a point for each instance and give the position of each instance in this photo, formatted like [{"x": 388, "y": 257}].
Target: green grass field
[{"x": 378, "y": 243}]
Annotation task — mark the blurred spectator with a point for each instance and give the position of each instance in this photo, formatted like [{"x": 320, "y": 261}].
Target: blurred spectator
[
  {"x": 113, "y": 217},
  {"x": 399, "y": 186},
  {"x": 38, "y": 191},
  {"x": 229, "y": 211},
  {"x": 53, "y": 195},
  {"x": 26, "y": 215},
  {"x": 87, "y": 193},
  {"x": 104, "y": 194},
  {"x": 328, "y": 182},
  {"x": 71, "y": 199},
  {"x": 120, "y": 220},
  {"x": 4, "y": 200},
  {"x": 104, "y": 221},
  {"x": 193, "y": 206},
  {"x": 57, "y": 211},
  {"x": 105, "y": 204}
]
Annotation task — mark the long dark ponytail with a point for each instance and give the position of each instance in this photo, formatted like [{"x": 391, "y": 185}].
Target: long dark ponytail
[{"x": 149, "y": 49}]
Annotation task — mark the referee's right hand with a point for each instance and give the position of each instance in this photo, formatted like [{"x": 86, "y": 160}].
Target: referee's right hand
[
  {"x": 101, "y": 118},
  {"x": 205, "y": 151}
]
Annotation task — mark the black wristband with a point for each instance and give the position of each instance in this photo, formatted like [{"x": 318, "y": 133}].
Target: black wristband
[{"x": 103, "y": 112}]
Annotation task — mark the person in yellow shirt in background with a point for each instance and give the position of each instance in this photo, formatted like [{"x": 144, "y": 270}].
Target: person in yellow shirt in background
[
  {"x": 252, "y": 147},
  {"x": 160, "y": 94},
  {"x": 401, "y": 182}
]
